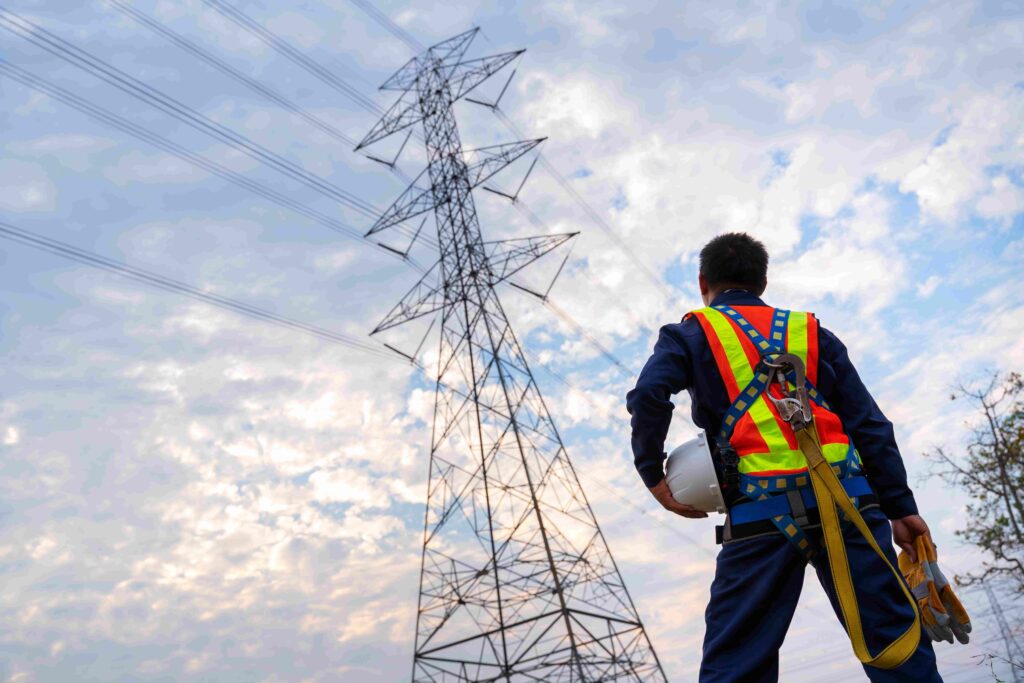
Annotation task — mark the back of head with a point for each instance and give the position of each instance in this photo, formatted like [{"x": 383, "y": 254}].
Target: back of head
[{"x": 735, "y": 260}]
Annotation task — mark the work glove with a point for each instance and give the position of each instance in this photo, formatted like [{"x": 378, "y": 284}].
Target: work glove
[
  {"x": 959, "y": 621},
  {"x": 942, "y": 614}
]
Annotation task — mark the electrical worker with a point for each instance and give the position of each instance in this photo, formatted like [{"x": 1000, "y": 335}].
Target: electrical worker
[{"x": 760, "y": 571}]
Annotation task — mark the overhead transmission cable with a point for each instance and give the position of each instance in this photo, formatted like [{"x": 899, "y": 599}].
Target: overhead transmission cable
[
  {"x": 15, "y": 234},
  {"x": 161, "y": 29},
  {"x": 289, "y": 52},
  {"x": 136, "y": 88},
  {"x": 391, "y": 27},
  {"x": 608, "y": 293},
  {"x": 109, "y": 118},
  {"x": 253, "y": 84}
]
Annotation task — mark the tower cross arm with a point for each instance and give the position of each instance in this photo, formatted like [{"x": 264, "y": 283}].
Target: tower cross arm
[
  {"x": 425, "y": 297},
  {"x": 508, "y": 257},
  {"x": 413, "y": 201},
  {"x": 469, "y": 74},
  {"x": 399, "y": 116},
  {"x": 404, "y": 78},
  {"x": 489, "y": 160}
]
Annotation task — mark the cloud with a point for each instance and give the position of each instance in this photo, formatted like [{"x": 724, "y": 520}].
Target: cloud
[
  {"x": 142, "y": 167},
  {"x": 988, "y": 131},
  {"x": 927, "y": 288},
  {"x": 27, "y": 187},
  {"x": 70, "y": 150}
]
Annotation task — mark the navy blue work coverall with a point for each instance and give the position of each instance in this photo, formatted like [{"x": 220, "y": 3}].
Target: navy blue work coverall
[{"x": 758, "y": 580}]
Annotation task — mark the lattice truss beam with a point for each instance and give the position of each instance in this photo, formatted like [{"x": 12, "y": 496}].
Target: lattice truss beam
[{"x": 517, "y": 582}]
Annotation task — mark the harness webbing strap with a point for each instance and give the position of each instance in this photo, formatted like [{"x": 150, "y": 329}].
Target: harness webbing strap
[
  {"x": 784, "y": 522},
  {"x": 833, "y": 498},
  {"x": 757, "y": 511}
]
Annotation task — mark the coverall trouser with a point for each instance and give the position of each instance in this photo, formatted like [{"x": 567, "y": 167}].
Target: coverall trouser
[{"x": 755, "y": 592}]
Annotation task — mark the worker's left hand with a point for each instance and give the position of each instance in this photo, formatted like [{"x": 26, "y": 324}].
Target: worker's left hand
[
  {"x": 905, "y": 530},
  {"x": 663, "y": 494}
]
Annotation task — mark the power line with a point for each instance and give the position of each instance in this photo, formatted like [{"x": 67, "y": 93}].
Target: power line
[
  {"x": 253, "y": 84},
  {"x": 609, "y": 295},
  {"x": 209, "y": 58},
  {"x": 132, "y": 86},
  {"x": 70, "y": 252},
  {"x": 391, "y": 27},
  {"x": 109, "y": 118},
  {"x": 283, "y": 48}
]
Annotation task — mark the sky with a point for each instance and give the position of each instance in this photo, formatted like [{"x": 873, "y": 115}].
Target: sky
[{"x": 188, "y": 494}]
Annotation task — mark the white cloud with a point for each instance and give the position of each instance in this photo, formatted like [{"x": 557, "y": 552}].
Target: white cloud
[
  {"x": 988, "y": 131},
  {"x": 27, "y": 187},
  {"x": 582, "y": 106},
  {"x": 144, "y": 167},
  {"x": 927, "y": 288},
  {"x": 1003, "y": 201},
  {"x": 11, "y": 435},
  {"x": 70, "y": 150}
]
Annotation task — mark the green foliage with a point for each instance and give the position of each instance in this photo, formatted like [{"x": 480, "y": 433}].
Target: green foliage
[{"x": 991, "y": 471}]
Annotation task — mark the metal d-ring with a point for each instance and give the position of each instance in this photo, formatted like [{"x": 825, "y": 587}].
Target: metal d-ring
[{"x": 792, "y": 403}]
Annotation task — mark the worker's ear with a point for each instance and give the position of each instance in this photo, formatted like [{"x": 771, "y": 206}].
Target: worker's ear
[{"x": 702, "y": 283}]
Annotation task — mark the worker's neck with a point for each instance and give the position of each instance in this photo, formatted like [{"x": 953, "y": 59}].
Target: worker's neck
[{"x": 713, "y": 294}]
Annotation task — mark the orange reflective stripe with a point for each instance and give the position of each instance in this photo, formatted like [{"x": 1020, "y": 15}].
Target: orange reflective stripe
[
  {"x": 812, "y": 349},
  {"x": 717, "y": 350}
]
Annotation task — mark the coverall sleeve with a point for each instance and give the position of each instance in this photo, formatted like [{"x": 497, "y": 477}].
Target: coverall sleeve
[
  {"x": 871, "y": 431},
  {"x": 665, "y": 373}
]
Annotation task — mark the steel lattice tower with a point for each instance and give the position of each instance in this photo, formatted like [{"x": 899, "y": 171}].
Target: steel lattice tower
[
  {"x": 517, "y": 583},
  {"x": 1014, "y": 652}
]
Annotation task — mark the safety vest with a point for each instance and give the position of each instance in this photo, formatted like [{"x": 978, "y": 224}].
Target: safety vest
[{"x": 766, "y": 445}]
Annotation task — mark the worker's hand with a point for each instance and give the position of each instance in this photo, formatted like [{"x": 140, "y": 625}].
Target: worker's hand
[
  {"x": 663, "y": 495},
  {"x": 905, "y": 530}
]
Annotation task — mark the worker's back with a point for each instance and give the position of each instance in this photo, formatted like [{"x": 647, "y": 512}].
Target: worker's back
[{"x": 797, "y": 438}]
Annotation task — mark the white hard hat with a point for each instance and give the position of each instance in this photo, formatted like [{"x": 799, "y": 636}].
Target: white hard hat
[{"x": 691, "y": 477}]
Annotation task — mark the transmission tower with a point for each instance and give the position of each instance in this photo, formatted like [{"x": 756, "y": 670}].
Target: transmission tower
[
  {"x": 1014, "y": 653},
  {"x": 517, "y": 583}
]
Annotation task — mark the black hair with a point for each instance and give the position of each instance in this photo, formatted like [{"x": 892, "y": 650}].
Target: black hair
[{"x": 736, "y": 259}]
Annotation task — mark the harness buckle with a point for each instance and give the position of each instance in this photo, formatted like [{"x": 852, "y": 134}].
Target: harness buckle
[{"x": 795, "y": 406}]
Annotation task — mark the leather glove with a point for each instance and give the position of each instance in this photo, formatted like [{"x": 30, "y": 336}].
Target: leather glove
[
  {"x": 959, "y": 621},
  {"x": 942, "y": 614}
]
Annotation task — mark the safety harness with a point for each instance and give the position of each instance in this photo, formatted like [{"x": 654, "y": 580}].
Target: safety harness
[{"x": 834, "y": 491}]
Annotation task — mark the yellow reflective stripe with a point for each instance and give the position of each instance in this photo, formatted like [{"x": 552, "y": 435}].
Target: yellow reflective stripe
[
  {"x": 835, "y": 452},
  {"x": 797, "y": 341},
  {"x": 783, "y": 458},
  {"x": 730, "y": 341},
  {"x": 772, "y": 434},
  {"x": 756, "y": 463}
]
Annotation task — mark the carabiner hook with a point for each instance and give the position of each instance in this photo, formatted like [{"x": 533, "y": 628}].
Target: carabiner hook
[{"x": 795, "y": 403}]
